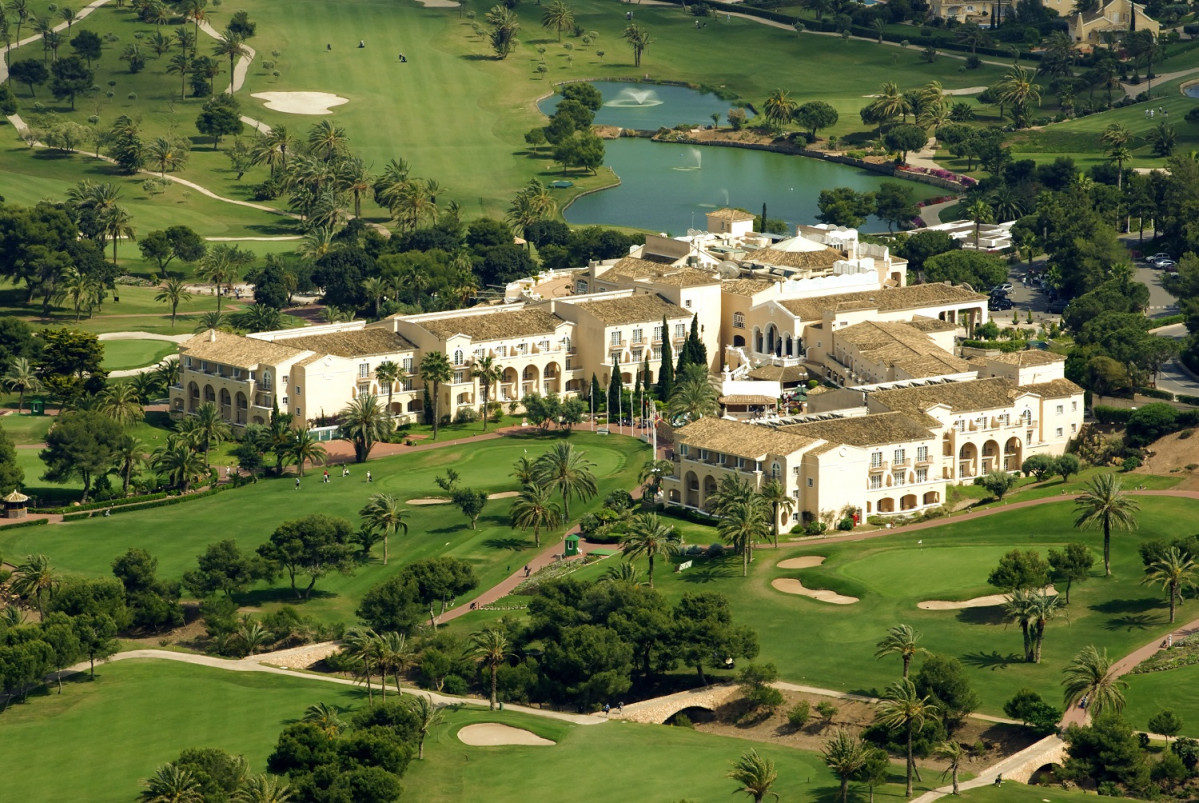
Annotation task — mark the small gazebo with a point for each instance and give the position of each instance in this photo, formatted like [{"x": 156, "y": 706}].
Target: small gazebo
[{"x": 14, "y": 505}]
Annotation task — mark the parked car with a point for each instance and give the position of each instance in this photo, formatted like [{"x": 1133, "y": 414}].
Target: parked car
[
  {"x": 998, "y": 303},
  {"x": 1058, "y": 305},
  {"x": 1153, "y": 260},
  {"x": 1005, "y": 288},
  {"x": 1168, "y": 265}
]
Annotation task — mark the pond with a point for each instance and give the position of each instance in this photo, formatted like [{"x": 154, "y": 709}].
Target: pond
[
  {"x": 669, "y": 188},
  {"x": 649, "y": 106}
]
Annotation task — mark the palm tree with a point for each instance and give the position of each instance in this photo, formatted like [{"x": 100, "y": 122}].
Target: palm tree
[
  {"x": 171, "y": 784},
  {"x": 363, "y": 422},
  {"x": 120, "y": 403},
  {"x": 745, "y": 523},
  {"x": 388, "y": 372},
  {"x": 259, "y": 318},
  {"x": 166, "y": 155},
  {"x": 1174, "y": 571},
  {"x": 568, "y": 471},
  {"x": 230, "y": 44},
  {"x": 325, "y": 717},
  {"x": 211, "y": 320},
  {"x": 1019, "y": 608},
  {"x": 1043, "y": 608},
  {"x": 435, "y": 369},
  {"x": 1089, "y": 674},
  {"x": 755, "y": 775},
  {"x": 177, "y": 460},
  {"x": 524, "y": 470},
  {"x": 731, "y": 491},
  {"x": 262, "y": 789},
  {"x": 327, "y": 141},
  {"x": 186, "y": 39},
  {"x": 129, "y": 453},
  {"x": 844, "y": 754},
  {"x": 1017, "y": 89},
  {"x": 779, "y": 108},
  {"x": 980, "y": 212},
  {"x": 902, "y": 707},
  {"x": 395, "y": 656},
  {"x": 890, "y": 102},
  {"x": 1104, "y": 503},
  {"x": 535, "y": 508},
  {"x": 648, "y": 537},
  {"x": 638, "y": 39},
  {"x": 173, "y": 292},
  {"x": 20, "y": 8},
  {"x": 558, "y": 16},
  {"x": 488, "y": 373},
  {"x": 271, "y": 148},
  {"x": 901, "y": 640},
  {"x": 253, "y": 637},
  {"x": 22, "y": 377},
  {"x": 222, "y": 266},
  {"x": 181, "y": 63},
  {"x": 622, "y": 573},
  {"x": 362, "y": 644},
  {"x": 210, "y": 428},
  {"x": 117, "y": 223},
  {"x": 651, "y": 476},
  {"x": 428, "y": 714},
  {"x": 775, "y": 494},
  {"x": 375, "y": 290},
  {"x": 490, "y": 646},
  {"x": 35, "y": 579},
  {"x": 695, "y": 395},
  {"x": 386, "y": 513},
  {"x": 954, "y": 755},
  {"x": 304, "y": 448}
]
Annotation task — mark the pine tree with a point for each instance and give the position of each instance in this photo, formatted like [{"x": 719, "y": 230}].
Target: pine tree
[
  {"x": 666, "y": 374},
  {"x": 614, "y": 388},
  {"x": 697, "y": 351},
  {"x": 595, "y": 394}
]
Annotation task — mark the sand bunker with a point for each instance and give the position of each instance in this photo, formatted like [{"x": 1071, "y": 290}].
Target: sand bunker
[
  {"x": 492, "y": 734},
  {"x": 806, "y": 562},
  {"x": 442, "y": 500},
  {"x": 300, "y": 102},
  {"x": 977, "y": 602},
  {"x": 789, "y": 585}
]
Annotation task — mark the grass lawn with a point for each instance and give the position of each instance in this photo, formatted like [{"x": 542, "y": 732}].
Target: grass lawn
[
  {"x": 124, "y": 354},
  {"x": 25, "y": 428},
  {"x": 1175, "y": 689},
  {"x": 178, "y": 534},
  {"x": 1021, "y": 793},
  {"x": 147, "y": 712},
  {"x": 833, "y": 645},
  {"x": 453, "y": 111},
  {"x": 150, "y": 710}
]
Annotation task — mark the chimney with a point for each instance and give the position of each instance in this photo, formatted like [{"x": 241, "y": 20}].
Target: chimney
[{"x": 211, "y": 335}]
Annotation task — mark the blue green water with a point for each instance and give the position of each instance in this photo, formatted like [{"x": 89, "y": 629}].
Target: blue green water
[{"x": 650, "y": 107}]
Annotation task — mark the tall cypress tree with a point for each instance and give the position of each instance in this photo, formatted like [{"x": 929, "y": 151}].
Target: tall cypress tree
[
  {"x": 596, "y": 393},
  {"x": 614, "y": 388},
  {"x": 666, "y": 374},
  {"x": 697, "y": 351},
  {"x": 645, "y": 372}
]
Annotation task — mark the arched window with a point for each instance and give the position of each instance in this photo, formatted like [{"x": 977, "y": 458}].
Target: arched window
[
  {"x": 458, "y": 357},
  {"x": 266, "y": 380},
  {"x": 776, "y": 470}
]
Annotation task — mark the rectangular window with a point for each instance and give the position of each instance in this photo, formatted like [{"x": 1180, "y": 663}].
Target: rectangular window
[
  {"x": 502, "y": 351},
  {"x": 900, "y": 455},
  {"x": 637, "y": 335},
  {"x": 1074, "y": 407},
  {"x": 284, "y": 401},
  {"x": 523, "y": 348},
  {"x": 657, "y": 333},
  {"x": 406, "y": 364},
  {"x": 683, "y": 450},
  {"x": 637, "y": 355},
  {"x": 876, "y": 482},
  {"x": 569, "y": 364},
  {"x": 921, "y": 454},
  {"x": 580, "y": 288},
  {"x": 703, "y": 454},
  {"x": 1005, "y": 420},
  {"x": 922, "y": 475},
  {"x": 364, "y": 370},
  {"x": 614, "y": 358},
  {"x": 406, "y": 384},
  {"x": 616, "y": 338},
  {"x": 1059, "y": 432},
  {"x": 899, "y": 478},
  {"x": 810, "y": 483},
  {"x": 299, "y": 390},
  {"x": 960, "y": 426},
  {"x": 876, "y": 459},
  {"x": 298, "y": 412},
  {"x": 687, "y": 303},
  {"x": 1028, "y": 436},
  {"x": 459, "y": 377},
  {"x": 544, "y": 345},
  {"x": 1061, "y": 409},
  {"x": 680, "y": 330},
  {"x": 1074, "y": 428},
  {"x": 738, "y": 320},
  {"x": 657, "y": 352}
]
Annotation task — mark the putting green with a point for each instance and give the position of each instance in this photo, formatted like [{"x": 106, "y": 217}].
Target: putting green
[{"x": 122, "y": 355}]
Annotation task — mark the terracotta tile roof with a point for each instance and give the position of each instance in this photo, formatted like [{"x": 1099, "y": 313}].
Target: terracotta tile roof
[
  {"x": 240, "y": 352},
  {"x": 978, "y": 394},
  {"x": 740, "y": 440},
  {"x": 499, "y": 324},
  {"x": 807, "y": 260},
  {"x": 637, "y": 308},
  {"x": 661, "y": 272},
  {"x": 688, "y": 277},
  {"x": 731, "y": 214},
  {"x": 902, "y": 346},
  {"x": 1054, "y": 389},
  {"x": 358, "y": 343},
  {"x": 866, "y": 430},
  {"x": 911, "y": 297},
  {"x": 778, "y": 373},
  {"x": 1028, "y": 357},
  {"x": 746, "y": 287},
  {"x": 931, "y": 324}
]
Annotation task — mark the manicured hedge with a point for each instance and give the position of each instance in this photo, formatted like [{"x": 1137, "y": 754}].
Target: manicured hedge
[
  {"x": 170, "y": 500},
  {"x": 1186, "y": 399},
  {"x": 1155, "y": 393},
  {"x": 1112, "y": 415},
  {"x": 1005, "y": 346},
  {"x": 100, "y": 505},
  {"x": 25, "y": 523}
]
